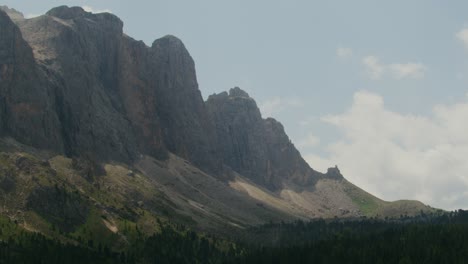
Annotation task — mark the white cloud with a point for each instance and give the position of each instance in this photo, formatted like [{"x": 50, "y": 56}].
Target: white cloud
[
  {"x": 308, "y": 121},
  {"x": 407, "y": 70},
  {"x": 344, "y": 52},
  {"x": 277, "y": 104},
  {"x": 28, "y": 16},
  {"x": 310, "y": 141},
  {"x": 95, "y": 11},
  {"x": 375, "y": 69},
  {"x": 463, "y": 36},
  {"x": 397, "y": 156}
]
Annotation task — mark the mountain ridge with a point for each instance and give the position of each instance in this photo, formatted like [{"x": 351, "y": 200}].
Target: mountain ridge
[{"x": 122, "y": 128}]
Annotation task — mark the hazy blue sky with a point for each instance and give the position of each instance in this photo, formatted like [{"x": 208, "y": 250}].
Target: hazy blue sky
[{"x": 377, "y": 87}]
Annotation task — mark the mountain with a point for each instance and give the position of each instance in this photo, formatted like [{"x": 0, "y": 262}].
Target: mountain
[
  {"x": 99, "y": 132},
  {"x": 254, "y": 147}
]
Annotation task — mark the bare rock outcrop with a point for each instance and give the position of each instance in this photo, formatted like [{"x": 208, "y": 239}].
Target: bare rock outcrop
[
  {"x": 26, "y": 110},
  {"x": 110, "y": 97},
  {"x": 87, "y": 89},
  {"x": 255, "y": 147}
]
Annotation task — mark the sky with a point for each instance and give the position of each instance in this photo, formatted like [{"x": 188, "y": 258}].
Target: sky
[{"x": 379, "y": 88}]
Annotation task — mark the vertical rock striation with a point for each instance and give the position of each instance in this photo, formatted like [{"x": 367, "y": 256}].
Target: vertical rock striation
[
  {"x": 26, "y": 111},
  {"x": 107, "y": 96},
  {"x": 188, "y": 131},
  {"x": 74, "y": 83},
  {"x": 255, "y": 147}
]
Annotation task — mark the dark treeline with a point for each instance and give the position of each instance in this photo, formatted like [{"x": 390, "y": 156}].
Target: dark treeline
[
  {"x": 169, "y": 246},
  {"x": 423, "y": 239},
  {"x": 300, "y": 232},
  {"x": 35, "y": 248}
]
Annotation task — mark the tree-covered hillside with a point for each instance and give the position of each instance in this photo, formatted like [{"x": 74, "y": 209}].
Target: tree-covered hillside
[{"x": 423, "y": 239}]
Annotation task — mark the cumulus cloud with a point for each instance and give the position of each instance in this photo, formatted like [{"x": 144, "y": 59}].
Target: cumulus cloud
[
  {"x": 277, "y": 104},
  {"x": 407, "y": 70},
  {"x": 398, "y": 156},
  {"x": 375, "y": 69},
  {"x": 344, "y": 52},
  {"x": 95, "y": 11},
  {"x": 463, "y": 36}
]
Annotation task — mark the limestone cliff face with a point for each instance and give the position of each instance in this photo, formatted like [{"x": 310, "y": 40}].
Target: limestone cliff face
[
  {"x": 26, "y": 110},
  {"x": 161, "y": 97},
  {"x": 74, "y": 83},
  {"x": 110, "y": 97},
  {"x": 255, "y": 147},
  {"x": 78, "y": 52},
  {"x": 188, "y": 131},
  {"x": 139, "y": 97}
]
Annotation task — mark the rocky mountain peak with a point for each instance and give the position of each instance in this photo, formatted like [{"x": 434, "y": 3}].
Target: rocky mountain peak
[
  {"x": 188, "y": 131},
  {"x": 14, "y": 14},
  {"x": 334, "y": 172},
  {"x": 255, "y": 147},
  {"x": 108, "y": 21},
  {"x": 238, "y": 92},
  {"x": 168, "y": 41},
  {"x": 65, "y": 12},
  {"x": 172, "y": 52}
]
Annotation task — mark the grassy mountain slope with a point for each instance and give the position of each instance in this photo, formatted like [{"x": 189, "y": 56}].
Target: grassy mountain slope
[{"x": 78, "y": 200}]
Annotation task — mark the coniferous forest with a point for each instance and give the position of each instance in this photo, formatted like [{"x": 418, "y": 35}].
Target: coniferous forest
[{"x": 423, "y": 239}]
